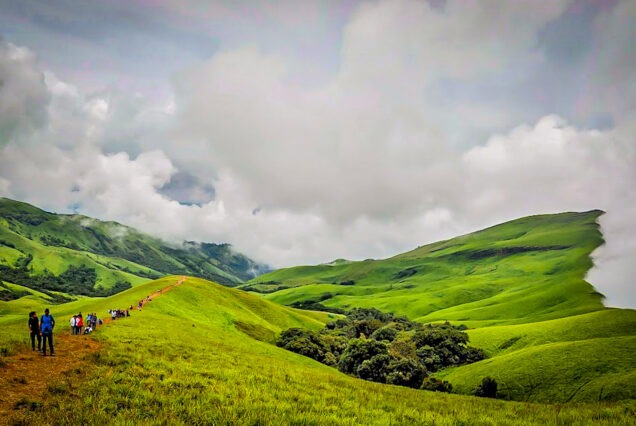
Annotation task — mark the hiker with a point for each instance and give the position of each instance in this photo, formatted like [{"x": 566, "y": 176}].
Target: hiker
[
  {"x": 73, "y": 324},
  {"x": 94, "y": 320},
  {"x": 88, "y": 330},
  {"x": 34, "y": 329},
  {"x": 80, "y": 323},
  {"x": 46, "y": 328},
  {"x": 114, "y": 314}
]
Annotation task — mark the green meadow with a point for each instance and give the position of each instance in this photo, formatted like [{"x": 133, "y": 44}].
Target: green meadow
[
  {"x": 202, "y": 354},
  {"x": 520, "y": 287}
]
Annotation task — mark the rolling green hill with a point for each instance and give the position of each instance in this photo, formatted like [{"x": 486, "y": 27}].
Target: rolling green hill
[
  {"x": 79, "y": 255},
  {"x": 520, "y": 286},
  {"x": 530, "y": 269},
  {"x": 200, "y": 354}
]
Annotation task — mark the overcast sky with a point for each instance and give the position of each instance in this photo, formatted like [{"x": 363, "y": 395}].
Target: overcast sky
[{"x": 303, "y": 131}]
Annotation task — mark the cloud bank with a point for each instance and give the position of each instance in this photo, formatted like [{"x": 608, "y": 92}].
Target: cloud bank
[{"x": 377, "y": 159}]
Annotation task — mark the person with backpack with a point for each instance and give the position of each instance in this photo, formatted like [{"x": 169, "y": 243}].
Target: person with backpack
[
  {"x": 73, "y": 322},
  {"x": 47, "y": 324},
  {"x": 34, "y": 329}
]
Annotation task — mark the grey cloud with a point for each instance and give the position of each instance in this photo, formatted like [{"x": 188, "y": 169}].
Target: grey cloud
[{"x": 23, "y": 94}]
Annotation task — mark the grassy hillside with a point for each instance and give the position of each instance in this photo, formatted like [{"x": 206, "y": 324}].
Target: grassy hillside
[
  {"x": 530, "y": 269},
  {"x": 520, "y": 285},
  {"x": 200, "y": 355},
  {"x": 587, "y": 357},
  {"x": 44, "y": 244}
]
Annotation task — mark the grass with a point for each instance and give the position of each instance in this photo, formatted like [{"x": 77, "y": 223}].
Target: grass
[
  {"x": 527, "y": 270},
  {"x": 519, "y": 286},
  {"x": 192, "y": 357}
]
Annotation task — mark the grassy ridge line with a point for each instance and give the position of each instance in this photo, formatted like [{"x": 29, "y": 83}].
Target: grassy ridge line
[
  {"x": 186, "y": 360},
  {"x": 115, "y": 251},
  {"x": 527, "y": 270}
]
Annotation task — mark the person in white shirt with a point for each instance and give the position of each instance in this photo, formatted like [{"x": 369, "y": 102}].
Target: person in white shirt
[{"x": 73, "y": 322}]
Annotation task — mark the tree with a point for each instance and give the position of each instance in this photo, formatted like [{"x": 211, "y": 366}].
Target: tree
[{"x": 487, "y": 388}]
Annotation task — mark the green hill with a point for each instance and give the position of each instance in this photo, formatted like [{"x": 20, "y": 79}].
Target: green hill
[
  {"x": 520, "y": 286},
  {"x": 200, "y": 354},
  {"x": 530, "y": 269},
  {"x": 80, "y": 255}
]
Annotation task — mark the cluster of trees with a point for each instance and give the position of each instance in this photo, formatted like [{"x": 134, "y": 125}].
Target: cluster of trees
[
  {"x": 385, "y": 348},
  {"x": 80, "y": 280}
]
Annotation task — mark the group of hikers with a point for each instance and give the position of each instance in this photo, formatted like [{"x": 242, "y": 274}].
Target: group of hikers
[
  {"x": 119, "y": 313},
  {"x": 77, "y": 323},
  {"x": 42, "y": 329}
]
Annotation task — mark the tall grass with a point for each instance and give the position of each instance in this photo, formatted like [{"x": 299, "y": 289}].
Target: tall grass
[{"x": 184, "y": 360}]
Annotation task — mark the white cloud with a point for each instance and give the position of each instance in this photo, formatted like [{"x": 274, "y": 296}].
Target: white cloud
[{"x": 355, "y": 167}]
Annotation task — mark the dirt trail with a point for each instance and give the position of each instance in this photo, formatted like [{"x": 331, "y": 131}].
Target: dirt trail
[{"x": 27, "y": 376}]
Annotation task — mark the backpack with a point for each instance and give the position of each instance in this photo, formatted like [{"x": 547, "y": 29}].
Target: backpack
[{"x": 47, "y": 323}]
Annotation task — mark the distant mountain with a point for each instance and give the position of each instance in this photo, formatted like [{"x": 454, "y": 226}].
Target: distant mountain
[{"x": 77, "y": 254}]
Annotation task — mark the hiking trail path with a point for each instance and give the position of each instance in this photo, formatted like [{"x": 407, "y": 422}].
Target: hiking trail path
[{"x": 27, "y": 375}]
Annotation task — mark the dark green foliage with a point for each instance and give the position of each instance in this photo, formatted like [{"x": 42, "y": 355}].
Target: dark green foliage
[
  {"x": 75, "y": 280},
  {"x": 387, "y": 333},
  {"x": 8, "y": 294},
  {"x": 405, "y": 273},
  {"x": 436, "y": 385},
  {"x": 304, "y": 342},
  {"x": 406, "y": 372},
  {"x": 216, "y": 262},
  {"x": 374, "y": 369},
  {"x": 384, "y": 348},
  {"x": 312, "y": 305},
  {"x": 359, "y": 351},
  {"x": 487, "y": 388},
  {"x": 444, "y": 345}
]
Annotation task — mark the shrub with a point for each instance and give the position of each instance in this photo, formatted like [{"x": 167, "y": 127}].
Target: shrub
[
  {"x": 487, "y": 388},
  {"x": 406, "y": 372},
  {"x": 358, "y": 351},
  {"x": 386, "y": 333},
  {"x": 436, "y": 385}
]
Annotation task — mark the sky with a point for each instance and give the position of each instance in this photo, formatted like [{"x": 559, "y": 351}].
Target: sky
[{"x": 304, "y": 131}]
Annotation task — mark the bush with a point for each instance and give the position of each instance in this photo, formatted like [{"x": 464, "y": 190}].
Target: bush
[
  {"x": 386, "y": 333},
  {"x": 406, "y": 372},
  {"x": 436, "y": 385},
  {"x": 487, "y": 388},
  {"x": 358, "y": 351},
  {"x": 384, "y": 348}
]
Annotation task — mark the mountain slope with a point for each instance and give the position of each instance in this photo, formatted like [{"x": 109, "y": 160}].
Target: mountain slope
[
  {"x": 44, "y": 244},
  {"x": 530, "y": 269},
  {"x": 199, "y": 355},
  {"x": 520, "y": 286}
]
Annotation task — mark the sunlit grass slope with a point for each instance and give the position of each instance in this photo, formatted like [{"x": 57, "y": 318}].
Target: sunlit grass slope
[
  {"x": 530, "y": 269},
  {"x": 589, "y": 357},
  {"x": 520, "y": 285},
  {"x": 199, "y": 354}
]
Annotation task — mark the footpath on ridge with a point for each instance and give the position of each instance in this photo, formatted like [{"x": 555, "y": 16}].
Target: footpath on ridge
[{"x": 26, "y": 376}]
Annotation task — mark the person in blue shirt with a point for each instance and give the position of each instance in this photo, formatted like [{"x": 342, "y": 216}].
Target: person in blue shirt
[{"x": 47, "y": 323}]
